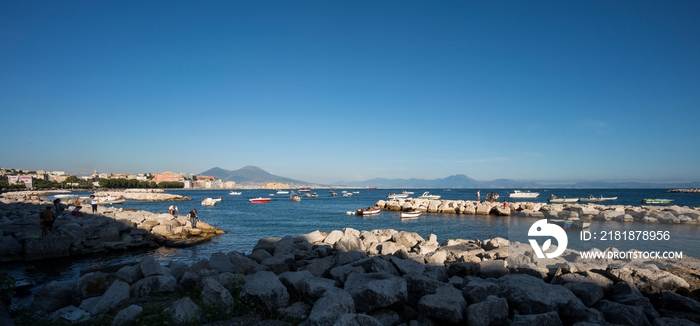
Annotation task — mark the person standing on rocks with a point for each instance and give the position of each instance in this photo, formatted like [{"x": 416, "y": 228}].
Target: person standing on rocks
[
  {"x": 93, "y": 203},
  {"x": 58, "y": 206},
  {"x": 478, "y": 196},
  {"x": 172, "y": 209},
  {"x": 46, "y": 220},
  {"x": 192, "y": 216}
]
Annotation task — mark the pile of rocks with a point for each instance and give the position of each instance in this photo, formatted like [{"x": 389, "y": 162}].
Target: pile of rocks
[
  {"x": 646, "y": 214},
  {"x": 110, "y": 229},
  {"x": 141, "y": 195},
  {"x": 384, "y": 277}
]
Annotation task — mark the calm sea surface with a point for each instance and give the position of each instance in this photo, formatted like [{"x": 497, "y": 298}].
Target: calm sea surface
[{"x": 245, "y": 223}]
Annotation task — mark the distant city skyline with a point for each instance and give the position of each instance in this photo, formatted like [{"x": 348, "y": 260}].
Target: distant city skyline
[{"x": 350, "y": 91}]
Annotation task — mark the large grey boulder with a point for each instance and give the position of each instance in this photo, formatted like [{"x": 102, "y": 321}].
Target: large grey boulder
[
  {"x": 153, "y": 285},
  {"x": 492, "y": 311},
  {"x": 545, "y": 319},
  {"x": 446, "y": 305},
  {"x": 243, "y": 264},
  {"x": 376, "y": 264},
  {"x": 53, "y": 296},
  {"x": 622, "y": 314},
  {"x": 184, "y": 311},
  {"x": 42, "y": 248},
  {"x": 10, "y": 249},
  {"x": 530, "y": 295},
  {"x": 150, "y": 267},
  {"x": 95, "y": 284},
  {"x": 130, "y": 274},
  {"x": 280, "y": 262},
  {"x": 357, "y": 320},
  {"x": 649, "y": 279},
  {"x": 216, "y": 295},
  {"x": 117, "y": 293},
  {"x": 313, "y": 288},
  {"x": 419, "y": 286},
  {"x": 298, "y": 310},
  {"x": 406, "y": 266},
  {"x": 589, "y": 293},
  {"x": 371, "y": 291},
  {"x": 628, "y": 294},
  {"x": 266, "y": 289},
  {"x": 220, "y": 262},
  {"x": 674, "y": 301},
  {"x": 69, "y": 314},
  {"x": 476, "y": 289},
  {"x": 341, "y": 273},
  {"x": 330, "y": 307},
  {"x": 126, "y": 315},
  {"x": 292, "y": 281}
]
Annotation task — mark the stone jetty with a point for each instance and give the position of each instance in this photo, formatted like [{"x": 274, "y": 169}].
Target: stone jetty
[
  {"x": 686, "y": 190},
  {"x": 109, "y": 229},
  {"x": 381, "y": 277},
  {"x": 143, "y": 195},
  {"x": 672, "y": 214}
]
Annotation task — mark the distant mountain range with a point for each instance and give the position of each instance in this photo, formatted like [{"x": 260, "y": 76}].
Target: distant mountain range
[
  {"x": 255, "y": 175},
  {"x": 250, "y": 175}
]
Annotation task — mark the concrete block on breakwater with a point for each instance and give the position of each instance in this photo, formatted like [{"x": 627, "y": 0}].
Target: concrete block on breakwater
[
  {"x": 418, "y": 281},
  {"x": 644, "y": 214}
]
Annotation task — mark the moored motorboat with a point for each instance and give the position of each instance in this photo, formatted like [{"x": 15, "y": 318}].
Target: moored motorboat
[
  {"x": 523, "y": 194},
  {"x": 259, "y": 200},
  {"x": 396, "y": 196},
  {"x": 427, "y": 195},
  {"x": 565, "y": 224},
  {"x": 235, "y": 193},
  {"x": 656, "y": 201},
  {"x": 554, "y": 199},
  {"x": 333, "y": 193},
  {"x": 578, "y": 223},
  {"x": 596, "y": 199},
  {"x": 294, "y": 197},
  {"x": 282, "y": 192},
  {"x": 411, "y": 214},
  {"x": 368, "y": 211},
  {"x": 210, "y": 201}
]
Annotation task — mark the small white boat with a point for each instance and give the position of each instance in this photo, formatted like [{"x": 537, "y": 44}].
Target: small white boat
[
  {"x": 412, "y": 214},
  {"x": 427, "y": 195},
  {"x": 596, "y": 199},
  {"x": 235, "y": 193},
  {"x": 656, "y": 201},
  {"x": 368, "y": 211},
  {"x": 554, "y": 199},
  {"x": 407, "y": 192},
  {"x": 110, "y": 200},
  {"x": 563, "y": 200},
  {"x": 525, "y": 194},
  {"x": 304, "y": 189},
  {"x": 294, "y": 197},
  {"x": 577, "y": 223},
  {"x": 210, "y": 201},
  {"x": 64, "y": 196},
  {"x": 282, "y": 192},
  {"x": 396, "y": 196}
]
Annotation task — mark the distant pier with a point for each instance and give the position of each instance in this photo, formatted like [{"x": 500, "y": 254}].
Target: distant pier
[{"x": 686, "y": 190}]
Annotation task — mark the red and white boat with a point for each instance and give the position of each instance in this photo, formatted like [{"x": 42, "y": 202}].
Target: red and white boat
[{"x": 259, "y": 200}]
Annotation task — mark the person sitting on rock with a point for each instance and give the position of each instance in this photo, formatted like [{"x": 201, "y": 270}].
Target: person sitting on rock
[
  {"x": 47, "y": 218},
  {"x": 76, "y": 211}
]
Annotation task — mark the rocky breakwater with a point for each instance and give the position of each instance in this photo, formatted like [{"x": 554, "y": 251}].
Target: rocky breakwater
[
  {"x": 380, "y": 277},
  {"x": 110, "y": 229},
  {"x": 446, "y": 206},
  {"x": 141, "y": 195},
  {"x": 645, "y": 214}
]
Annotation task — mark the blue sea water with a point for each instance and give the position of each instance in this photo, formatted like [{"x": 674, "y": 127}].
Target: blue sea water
[{"x": 245, "y": 223}]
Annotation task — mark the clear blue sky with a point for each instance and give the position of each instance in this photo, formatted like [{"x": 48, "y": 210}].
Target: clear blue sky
[{"x": 324, "y": 91}]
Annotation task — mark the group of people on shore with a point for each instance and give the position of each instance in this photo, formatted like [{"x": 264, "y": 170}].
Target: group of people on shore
[
  {"x": 492, "y": 197},
  {"x": 191, "y": 215}
]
